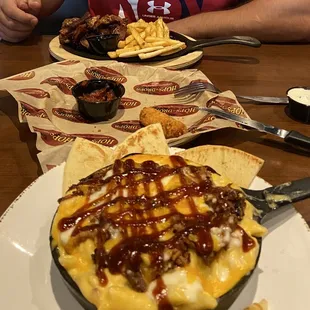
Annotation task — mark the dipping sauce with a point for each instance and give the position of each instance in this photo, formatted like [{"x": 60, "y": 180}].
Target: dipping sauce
[
  {"x": 99, "y": 95},
  {"x": 98, "y": 99},
  {"x": 300, "y": 94}
]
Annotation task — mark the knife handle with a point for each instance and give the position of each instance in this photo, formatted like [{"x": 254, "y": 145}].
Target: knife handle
[{"x": 297, "y": 139}]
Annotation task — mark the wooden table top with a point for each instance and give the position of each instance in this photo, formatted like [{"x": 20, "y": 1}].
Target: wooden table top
[{"x": 269, "y": 71}]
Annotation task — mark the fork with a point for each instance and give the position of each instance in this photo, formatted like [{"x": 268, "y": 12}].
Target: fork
[{"x": 192, "y": 92}]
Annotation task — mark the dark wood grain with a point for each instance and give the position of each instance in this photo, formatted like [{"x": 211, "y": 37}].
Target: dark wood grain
[{"x": 269, "y": 71}]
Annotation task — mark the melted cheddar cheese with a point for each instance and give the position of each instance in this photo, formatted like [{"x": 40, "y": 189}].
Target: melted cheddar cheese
[{"x": 193, "y": 287}]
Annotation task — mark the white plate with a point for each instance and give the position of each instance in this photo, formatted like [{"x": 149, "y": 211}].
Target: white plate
[{"x": 29, "y": 280}]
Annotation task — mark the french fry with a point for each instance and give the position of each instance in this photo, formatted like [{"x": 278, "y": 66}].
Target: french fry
[
  {"x": 148, "y": 31},
  {"x": 153, "y": 30},
  {"x": 132, "y": 43},
  {"x": 174, "y": 47},
  {"x": 150, "y": 39},
  {"x": 143, "y": 50},
  {"x": 166, "y": 31},
  {"x": 143, "y": 35},
  {"x": 159, "y": 29},
  {"x": 121, "y": 44},
  {"x": 147, "y": 55},
  {"x": 150, "y": 54},
  {"x": 139, "y": 24},
  {"x": 125, "y": 50},
  {"x": 153, "y": 40},
  {"x": 160, "y": 43},
  {"x": 112, "y": 55},
  {"x": 129, "y": 39},
  {"x": 139, "y": 29},
  {"x": 147, "y": 40},
  {"x": 138, "y": 38},
  {"x": 173, "y": 51}
]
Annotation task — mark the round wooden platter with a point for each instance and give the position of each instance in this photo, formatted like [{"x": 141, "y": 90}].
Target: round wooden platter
[{"x": 59, "y": 53}]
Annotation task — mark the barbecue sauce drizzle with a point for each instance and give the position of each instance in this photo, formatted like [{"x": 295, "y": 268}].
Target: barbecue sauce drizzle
[{"x": 135, "y": 217}]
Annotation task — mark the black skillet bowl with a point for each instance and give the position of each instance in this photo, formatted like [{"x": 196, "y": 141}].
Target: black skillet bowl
[
  {"x": 265, "y": 201},
  {"x": 191, "y": 46},
  {"x": 224, "y": 302},
  {"x": 101, "y": 110}
]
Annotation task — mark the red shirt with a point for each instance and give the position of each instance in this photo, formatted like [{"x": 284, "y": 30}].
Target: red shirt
[{"x": 149, "y": 10}]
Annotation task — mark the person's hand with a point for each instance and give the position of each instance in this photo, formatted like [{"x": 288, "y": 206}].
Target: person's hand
[{"x": 18, "y": 18}]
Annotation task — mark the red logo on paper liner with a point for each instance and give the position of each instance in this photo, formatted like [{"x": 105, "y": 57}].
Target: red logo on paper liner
[
  {"x": 204, "y": 128},
  {"x": 157, "y": 88},
  {"x": 49, "y": 167},
  {"x": 55, "y": 138},
  {"x": 226, "y": 104},
  {"x": 127, "y": 126},
  {"x": 34, "y": 92},
  {"x": 69, "y": 115},
  {"x": 65, "y": 84},
  {"x": 206, "y": 119},
  {"x": 104, "y": 73},
  {"x": 23, "y": 76},
  {"x": 68, "y": 62},
  {"x": 127, "y": 103},
  {"x": 29, "y": 110},
  {"x": 177, "y": 109}
]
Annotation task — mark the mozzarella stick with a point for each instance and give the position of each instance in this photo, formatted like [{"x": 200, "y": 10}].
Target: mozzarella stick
[{"x": 172, "y": 127}]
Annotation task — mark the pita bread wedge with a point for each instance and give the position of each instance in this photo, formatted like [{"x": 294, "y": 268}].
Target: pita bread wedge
[
  {"x": 238, "y": 166},
  {"x": 85, "y": 157},
  {"x": 147, "y": 140}
]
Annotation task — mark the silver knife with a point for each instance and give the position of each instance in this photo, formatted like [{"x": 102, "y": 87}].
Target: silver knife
[
  {"x": 292, "y": 137},
  {"x": 267, "y": 100}
]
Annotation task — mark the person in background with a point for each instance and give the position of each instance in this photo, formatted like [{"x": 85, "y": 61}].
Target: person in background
[{"x": 267, "y": 20}]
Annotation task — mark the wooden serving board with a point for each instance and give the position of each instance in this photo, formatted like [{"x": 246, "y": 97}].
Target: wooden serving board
[{"x": 59, "y": 53}]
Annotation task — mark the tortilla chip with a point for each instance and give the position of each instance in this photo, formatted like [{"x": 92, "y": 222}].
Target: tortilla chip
[
  {"x": 85, "y": 157},
  {"x": 147, "y": 140},
  {"x": 238, "y": 166}
]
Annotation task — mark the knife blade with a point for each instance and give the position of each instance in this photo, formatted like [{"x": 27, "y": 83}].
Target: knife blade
[
  {"x": 292, "y": 137},
  {"x": 264, "y": 99}
]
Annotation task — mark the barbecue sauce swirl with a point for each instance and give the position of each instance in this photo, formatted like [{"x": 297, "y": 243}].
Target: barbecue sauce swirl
[{"x": 136, "y": 194}]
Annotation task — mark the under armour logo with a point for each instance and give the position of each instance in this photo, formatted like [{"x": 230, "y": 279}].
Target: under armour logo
[{"x": 153, "y": 7}]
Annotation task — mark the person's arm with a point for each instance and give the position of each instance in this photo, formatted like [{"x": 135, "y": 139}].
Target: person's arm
[{"x": 266, "y": 20}]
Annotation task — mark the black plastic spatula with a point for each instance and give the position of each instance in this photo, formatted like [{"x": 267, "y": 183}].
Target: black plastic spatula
[{"x": 270, "y": 199}]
